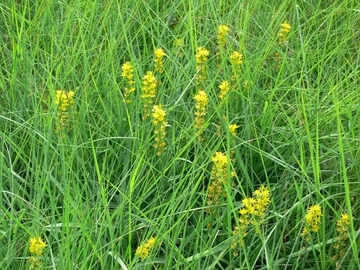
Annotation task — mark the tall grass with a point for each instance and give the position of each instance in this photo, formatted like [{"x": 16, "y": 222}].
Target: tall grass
[{"x": 98, "y": 190}]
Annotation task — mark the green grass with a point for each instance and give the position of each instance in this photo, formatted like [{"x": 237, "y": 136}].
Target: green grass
[{"x": 97, "y": 193}]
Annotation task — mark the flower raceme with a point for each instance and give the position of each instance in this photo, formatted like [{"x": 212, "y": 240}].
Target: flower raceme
[
  {"x": 202, "y": 102},
  {"x": 224, "y": 90},
  {"x": 149, "y": 84},
  {"x": 201, "y": 57},
  {"x": 236, "y": 59},
  {"x": 37, "y": 246},
  {"x": 232, "y": 128},
  {"x": 252, "y": 212},
  {"x": 342, "y": 239},
  {"x": 128, "y": 75},
  {"x": 64, "y": 102},
  {"x": 283, "y": 32},
  {"x": 144, "y": 249},
  {"x": 254, "y": 208},
  {"x": 312, "y": 220},
  {"x": 158, "y": 60},
  {"x": 219, "y": 175},
  {"x": 222, "y": 33},
  {"x": 159, "y": 123}
]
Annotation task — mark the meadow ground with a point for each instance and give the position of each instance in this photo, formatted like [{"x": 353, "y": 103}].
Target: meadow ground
[{"x": 179, "y": 134}]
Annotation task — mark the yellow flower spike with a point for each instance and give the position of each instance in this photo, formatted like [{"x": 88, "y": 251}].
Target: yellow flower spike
[
  {"x": 232, "y": 128},
  {"x": 158, "y": 60},
  {"x": 37, "y": 245},
  {"x": 128, "y": 75},
  {"x": 159, "y": 123},
  {"x": 202, "y": 102},
  {"x": 236, "y": 59},
  {"x": 285, "y": 28},
  {"x": 64, "y": 100},
  {"x": 253, "y": 209},
  {"x": 224, "y": 90},
  {"x": 342, "y": 238},
  {"x": 145, "y": 248},
  {"x": 312, "y": 220},
  {"x": 149, "y": 85},
  {"x": 219, "y": 173},
  {"x": 201, "y": 57},
  {"x": 35, "y": 263},
  {"x": 222, "y": 33},
  {"x": 127, "y": 71}
]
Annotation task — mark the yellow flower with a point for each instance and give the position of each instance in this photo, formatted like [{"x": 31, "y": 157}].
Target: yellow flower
[
  {"x": 312, "y": 220},
  {"x": 34, "y": 262},
  {"x": 128, "y": 74},
  {"x": 219, "y": 173},
  {"x": 283, "y": 32},
  {"x": 158, "y": 60},
  {"x": 223, "y": 32},
  {"x": 64, "y": 102},
  {"x": 201, "y": 57},
  {"x": 224, "y": 89},
  {"x": 262, "y": 197},
  {"x": 144, "y": 249},
  {"x": 342, "y": 239},
  {"x": 159, "y": 125},
  {"x": 253, "y": 209},
  {"x": 37, "y": 245},
  {"x": 252, "y": 212},
  {"x": 149, "y": 84},
  {"x": 220, "y": 160},
  {"x": 202, "y": 101},
  {"x": 127, "y": 71},
  {"x": 232, "y": 128},
  {"x": 236, "y": 59}
]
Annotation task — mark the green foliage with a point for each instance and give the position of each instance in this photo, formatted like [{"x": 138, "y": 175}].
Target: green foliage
[{"x": 99, "y": 191}]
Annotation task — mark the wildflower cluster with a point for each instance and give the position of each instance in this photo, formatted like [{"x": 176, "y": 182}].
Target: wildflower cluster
[
  {"x": 159, "y": 131},
  {"x": 64, "y": 102},
  {"x": 252, "y": 212},
  {"x": 222, "y": 33},
  {"x": 342, "y": 239},
  {"x": 201, "y": 57},
  {"x": 149, "y": 84},
  {"x": 283, "y": 33},
  {"x": 36, "y": 248},
  {"x": 202, "y": 102},
  {"x": 312, "y": 221},
  {"x": 144, "y": 249},
  {"x": 219, "y": 174},
  {"x": 128, "y": 75},
  {"x": 158, "y": 60}
]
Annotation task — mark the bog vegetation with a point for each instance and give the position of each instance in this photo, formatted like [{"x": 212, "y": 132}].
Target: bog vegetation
[{"x": 179, "y": 134}]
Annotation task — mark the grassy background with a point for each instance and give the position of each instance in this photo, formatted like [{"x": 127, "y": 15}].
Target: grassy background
[{"x": 98, "y": 193}]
